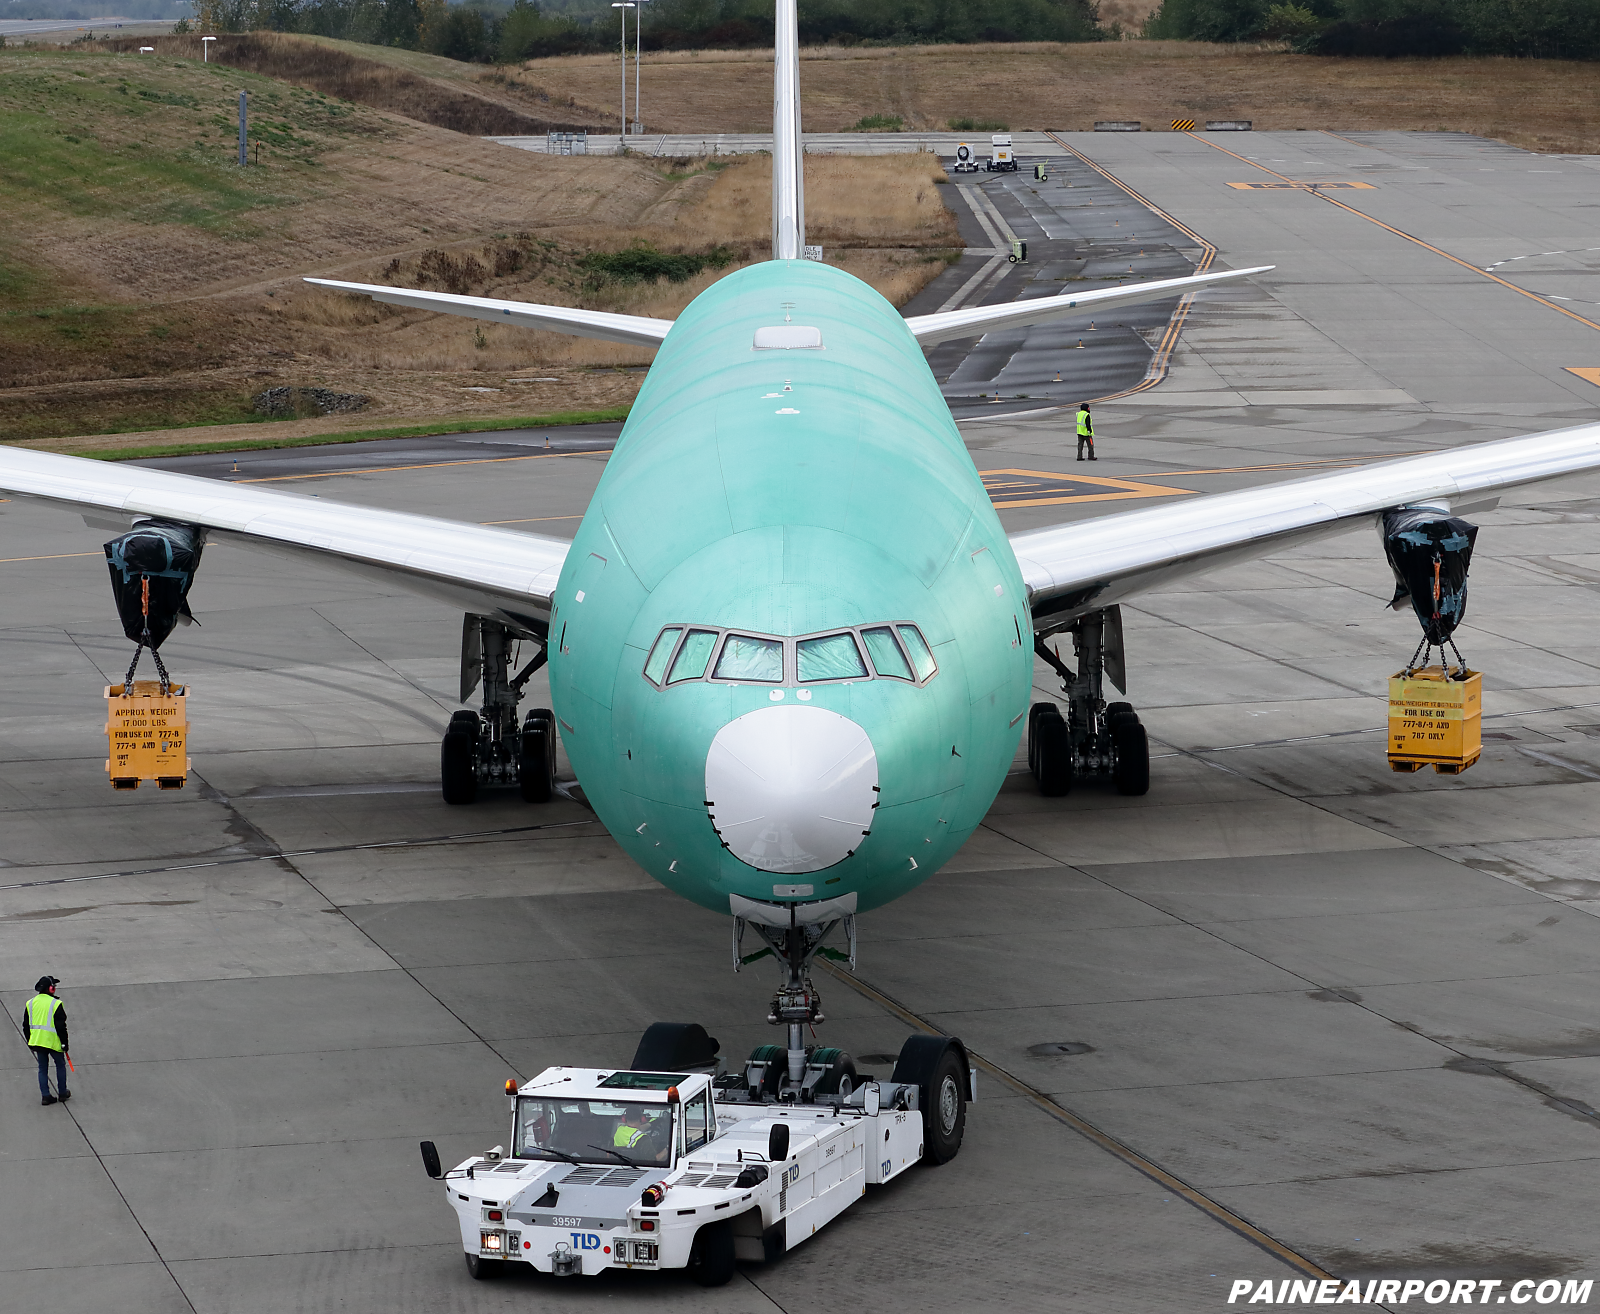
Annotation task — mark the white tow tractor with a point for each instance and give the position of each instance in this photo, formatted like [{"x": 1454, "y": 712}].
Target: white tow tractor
[{"x": 682, "y": 1165}]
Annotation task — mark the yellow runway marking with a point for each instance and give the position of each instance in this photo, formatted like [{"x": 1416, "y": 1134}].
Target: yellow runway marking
[
  {"x": 1588, "y": 373},
  {"x": 1169, "y": 340},
  {"x": 1297, "y": 186},
  {"x": 57, "y": 556},
  {"x": 528, "y": 520},
  {"x": 1053, "y": 489},
  {"x": 1400, "y": 232}
]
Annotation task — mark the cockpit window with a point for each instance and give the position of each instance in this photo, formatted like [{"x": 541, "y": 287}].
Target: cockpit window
[
  {"x": 887, "y": 659},
  {"x": 832, "y": 657},
  {"x": 745, "y": 657},
  {"x": 656, "y": 666},
  {"x": 917, "y": 646},
  {"x": 693, "y": 656},
  {"x": 871, "y": 652}
]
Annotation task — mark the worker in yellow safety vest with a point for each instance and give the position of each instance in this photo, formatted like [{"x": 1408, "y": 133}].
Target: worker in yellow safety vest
[
  {"x": 44, "y": 1020},
  {"x": 631, "y": 1129},
  {"x": 1085, "y": 431}
]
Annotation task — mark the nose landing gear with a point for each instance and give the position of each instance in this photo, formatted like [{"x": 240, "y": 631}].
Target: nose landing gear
[
  {"x": 487, "y": 748},
  {"x": 1095, "y": 740}
]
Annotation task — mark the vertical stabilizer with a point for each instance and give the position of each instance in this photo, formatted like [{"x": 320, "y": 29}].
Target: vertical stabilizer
[{"x": 788, "y": 178}]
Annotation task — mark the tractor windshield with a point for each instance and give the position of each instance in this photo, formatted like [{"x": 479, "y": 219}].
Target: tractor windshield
[{"x": 595, "y": 1131}]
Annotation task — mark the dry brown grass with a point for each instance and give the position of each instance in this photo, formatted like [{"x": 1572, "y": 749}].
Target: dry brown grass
[
  {"x": 143, "y": 318},
  {"x": 1540, "y": 104}
]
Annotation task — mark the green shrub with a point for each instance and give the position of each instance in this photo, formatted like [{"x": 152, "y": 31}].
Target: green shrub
[
  {"x": 978, "y": 125},
  {"x": 642, "y": 263},
  {"x": 878, "y": 123}
]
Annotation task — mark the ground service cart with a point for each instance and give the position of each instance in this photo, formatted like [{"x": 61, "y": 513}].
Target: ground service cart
[
  {"x": 1002, "y": 159},
  {"x": 695, "y": 1167}
]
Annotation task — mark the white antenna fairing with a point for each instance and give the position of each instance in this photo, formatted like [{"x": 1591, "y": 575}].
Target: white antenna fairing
[{"x": 788, "y": 177}]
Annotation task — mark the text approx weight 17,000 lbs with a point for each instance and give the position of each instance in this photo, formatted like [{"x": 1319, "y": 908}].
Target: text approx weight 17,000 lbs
[{"x": 147, "y": 735}]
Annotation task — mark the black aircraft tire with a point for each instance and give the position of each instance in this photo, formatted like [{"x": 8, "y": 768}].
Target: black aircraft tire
[
  {"x": 1131, "y": 748},
  {"x": 1119, "y": 712},
  {"x": 468, "y": 721},
  {"x": 1054, "y": 755},
  {"x": 711, "y": 1256},
  {"x": 840, "y": 1078},
  {"x": 457, "y": 778},
  {"x": 1034, "y": 713},
  {"x": 534, "y": 777},
  {"x": 485, "y": 1269}
]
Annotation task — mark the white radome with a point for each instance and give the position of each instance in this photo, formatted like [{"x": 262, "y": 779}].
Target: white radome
[{"x": 791, "y": 788}]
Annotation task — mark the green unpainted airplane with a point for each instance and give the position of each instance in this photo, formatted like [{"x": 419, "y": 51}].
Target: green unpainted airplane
[{"x": 790, "y": 647}]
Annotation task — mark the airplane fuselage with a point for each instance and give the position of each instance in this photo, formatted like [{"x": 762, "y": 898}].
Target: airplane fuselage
[{"x": 780, "y": 543}]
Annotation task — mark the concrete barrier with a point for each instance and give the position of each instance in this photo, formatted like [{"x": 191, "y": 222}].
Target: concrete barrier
[
  {"x": 1116, "y": 125},
  {"x": 1228, "y": 125}
]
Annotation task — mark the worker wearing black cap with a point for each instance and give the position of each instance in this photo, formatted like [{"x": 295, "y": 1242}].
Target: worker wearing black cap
[{"x": 44, "y": 1020}]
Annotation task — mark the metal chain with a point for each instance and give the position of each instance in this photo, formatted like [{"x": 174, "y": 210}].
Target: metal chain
[
  {"x": 1412, "y": 664},
  {"x": 127, "y": 680},
  {"x": 161, "y": 669}
]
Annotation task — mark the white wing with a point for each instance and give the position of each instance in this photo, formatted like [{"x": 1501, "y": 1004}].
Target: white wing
[
  {"x": 948, "y": 325},
  {"x": 1080, "y": 567},
  {"x": 493, "y": 572},
  {"x": 636, "y": 330}
]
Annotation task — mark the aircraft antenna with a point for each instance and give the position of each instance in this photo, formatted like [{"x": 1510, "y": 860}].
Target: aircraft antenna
[{"x": 788, "y": 177}]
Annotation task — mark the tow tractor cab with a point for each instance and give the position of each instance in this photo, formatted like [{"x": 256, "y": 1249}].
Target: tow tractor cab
[{"x": 651, "y": 1170}]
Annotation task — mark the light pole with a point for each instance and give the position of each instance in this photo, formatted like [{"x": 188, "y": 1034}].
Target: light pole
[
  {"x": 622, "y": 139},
  {"x": 205, "y": 47},
  {"x": 638, "y": 31}
]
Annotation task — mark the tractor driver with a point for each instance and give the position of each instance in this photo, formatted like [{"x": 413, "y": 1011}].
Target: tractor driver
[{"x": 634, "y": 1131}]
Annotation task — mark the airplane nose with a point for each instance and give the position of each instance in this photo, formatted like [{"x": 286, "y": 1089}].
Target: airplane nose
[{"x": 791, "y": 789}]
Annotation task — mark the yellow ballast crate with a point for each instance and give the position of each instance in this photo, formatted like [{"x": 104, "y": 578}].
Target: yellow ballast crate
[
  {"x": 147, "y": 734},
  {"x": 1435, "y": 721}
]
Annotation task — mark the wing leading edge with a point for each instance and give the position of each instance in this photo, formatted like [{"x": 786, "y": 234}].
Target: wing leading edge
[
  {"x": 478, "y": 568},
  {"x": 636, "y": 330},
  {"x": 974, "y": 321},
  {"x": 1081, "y": 567}
]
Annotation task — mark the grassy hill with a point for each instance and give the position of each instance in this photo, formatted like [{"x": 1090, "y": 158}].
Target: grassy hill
[{"x": 147, "y": 282}]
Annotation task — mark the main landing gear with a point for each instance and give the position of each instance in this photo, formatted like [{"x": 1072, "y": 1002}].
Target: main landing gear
[
  {"x": 488, "y": 748},
  {"x": 1094, "y": 740}
]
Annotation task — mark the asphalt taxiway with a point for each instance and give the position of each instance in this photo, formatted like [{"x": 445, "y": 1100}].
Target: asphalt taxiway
[{"x": 1351, "y": 1009}]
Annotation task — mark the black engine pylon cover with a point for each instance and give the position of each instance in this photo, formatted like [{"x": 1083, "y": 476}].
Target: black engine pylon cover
[
  {"x": 165, "y": 553},
  {"x": 1430, "y": 554}
]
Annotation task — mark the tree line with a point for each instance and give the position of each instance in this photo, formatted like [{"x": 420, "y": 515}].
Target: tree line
[
  {"x": 486, "y": 31},
  {"x": 1538, "y": 29}
]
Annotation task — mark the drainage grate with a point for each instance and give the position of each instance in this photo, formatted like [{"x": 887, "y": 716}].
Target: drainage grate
[{"x": 1054, "y": 1047}]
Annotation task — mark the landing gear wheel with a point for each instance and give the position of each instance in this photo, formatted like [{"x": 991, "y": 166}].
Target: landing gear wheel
[
  {"x": 1034, "y": 713},
  {"x": 485, "y": 1269},
  {"x": 536, "y": 760},
  {"x": 1053, "y": 752},
  {"x": 937, "y": 1066},
  {"x": 774, "y": 1061},
  {"x": 840, "y": 1078},
  {"x": 1130, "y": 747},
  {"x": 1120, "y": 712},
  {"x": 711, "y": 1256},
  {"x": 458, "y": 774},
  {"x": 466, "y": 720}
]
